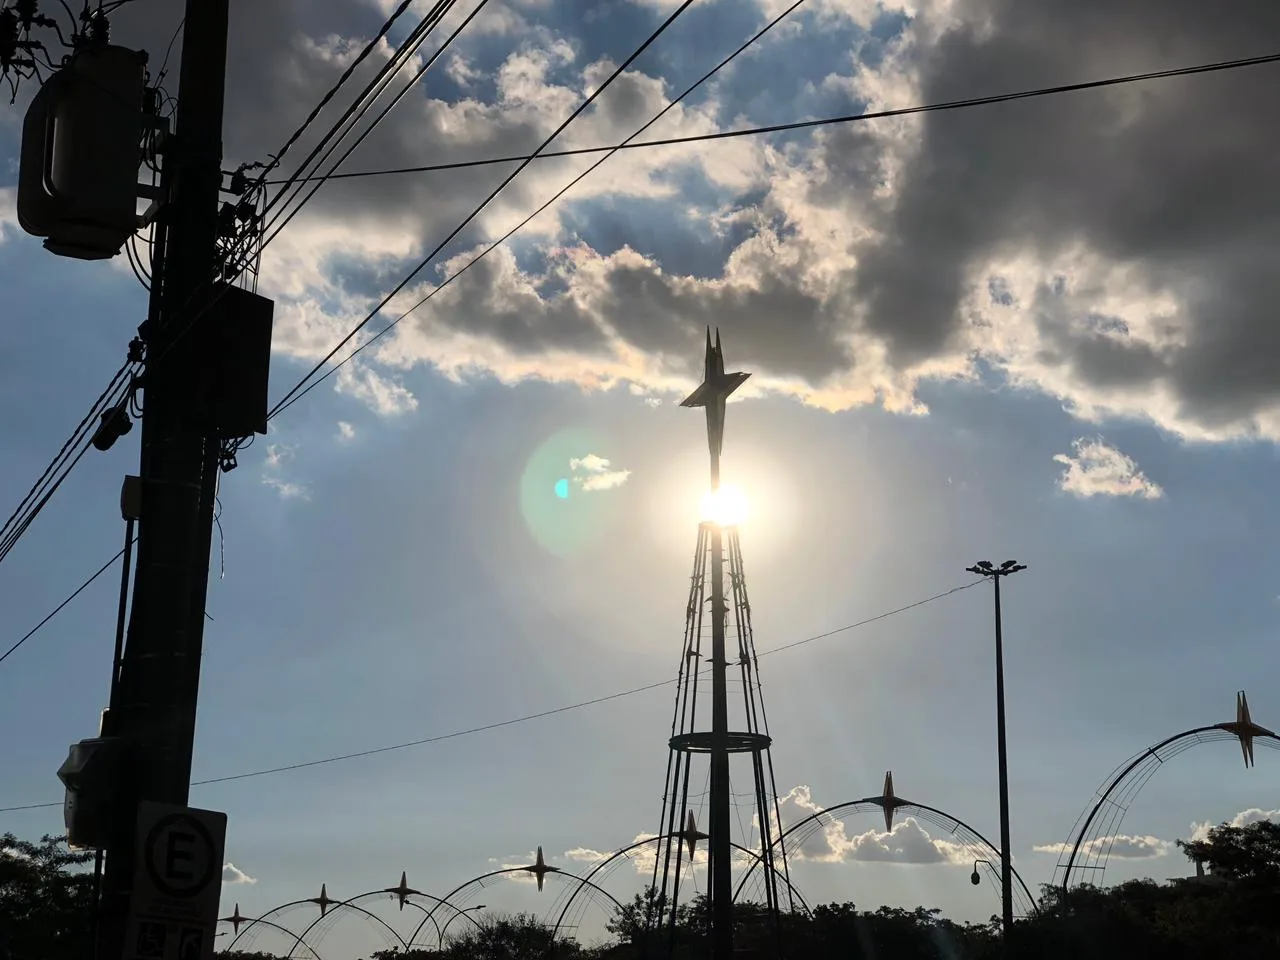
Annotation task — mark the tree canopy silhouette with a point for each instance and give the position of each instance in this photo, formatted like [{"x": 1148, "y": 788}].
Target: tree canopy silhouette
[{"x": 1230, "y": 912}]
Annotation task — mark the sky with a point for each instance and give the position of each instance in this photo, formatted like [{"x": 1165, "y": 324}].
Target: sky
[{"x": 1041, "y": 330}]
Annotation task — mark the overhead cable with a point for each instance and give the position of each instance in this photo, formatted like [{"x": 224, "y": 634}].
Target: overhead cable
[
  {"x": 75, "y": 447},
  {"x": 363, "y": 101},
  {"x": 296, "y": 394},
  {"x": 58, "y": 609},
  {"x": 496, "y": 725},
  {"x": 822, "y": 122},
  {"x": 560, "y": 193},
  {"x": 485, "y": 203},
  {"x": 271, "y": 228}
]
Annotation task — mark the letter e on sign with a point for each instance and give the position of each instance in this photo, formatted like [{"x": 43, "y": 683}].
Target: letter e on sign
[{"x": 178, "y": 871}]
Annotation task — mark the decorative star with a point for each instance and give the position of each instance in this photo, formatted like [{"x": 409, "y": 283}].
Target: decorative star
[
  {"x": 1244, "y": 729},
  {"x": 235, "y": 919},
  {"x": 404, "y": 891},
  {"x": 888, "y": 801},
  {"x": 540, "y": 868},
  {"x": 692, "y": 834},
  {"x": 323, "y": 900}
]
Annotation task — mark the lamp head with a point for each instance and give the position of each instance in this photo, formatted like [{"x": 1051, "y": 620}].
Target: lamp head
[{"x": 974, "y": 878}]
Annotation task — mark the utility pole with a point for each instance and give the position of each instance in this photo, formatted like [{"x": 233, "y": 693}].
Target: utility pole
[
  {"x": 154, "y": 709},
  {"x": 985, "y": 568}
]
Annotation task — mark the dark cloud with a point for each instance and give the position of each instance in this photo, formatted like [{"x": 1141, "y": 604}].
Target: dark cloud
[
  {"x": 774, "y": 324},
  {"x": 1173, "y": 178}
]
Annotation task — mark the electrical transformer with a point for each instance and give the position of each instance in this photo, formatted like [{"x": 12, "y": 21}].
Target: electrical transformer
[{"x": 81, "y": 149}]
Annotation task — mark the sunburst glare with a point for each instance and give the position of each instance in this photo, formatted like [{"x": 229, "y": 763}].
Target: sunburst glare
[{"x": 726, "y": 507}]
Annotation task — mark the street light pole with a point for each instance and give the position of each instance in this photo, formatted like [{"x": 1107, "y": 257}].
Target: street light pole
[{"x": 985, "y": 568}]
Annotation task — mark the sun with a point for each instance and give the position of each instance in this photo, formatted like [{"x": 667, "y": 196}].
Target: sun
[{"x": 726, "y": 507}]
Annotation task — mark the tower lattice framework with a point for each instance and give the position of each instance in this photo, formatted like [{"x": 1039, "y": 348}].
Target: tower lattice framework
[{"x": 714, "y": 731}]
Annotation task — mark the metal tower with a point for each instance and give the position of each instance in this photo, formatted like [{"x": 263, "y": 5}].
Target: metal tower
[{"x": 720, "y": 733}]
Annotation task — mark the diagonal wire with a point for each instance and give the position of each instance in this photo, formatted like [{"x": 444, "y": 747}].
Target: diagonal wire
[
  {"x": 477, "y": 211},
  {"x": 63, "y": 463},
  {"x": 827, "y": 121},
  {"x": 288, "y": 402},
  {"x": 58, "y": 609},
  {"x": 534, "y": 716}
]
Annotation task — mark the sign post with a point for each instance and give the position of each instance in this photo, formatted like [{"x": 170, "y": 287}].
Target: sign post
[{"x": 177, "y": 883}]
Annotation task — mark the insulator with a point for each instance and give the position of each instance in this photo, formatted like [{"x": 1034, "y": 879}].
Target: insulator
[
  {"x": 8, "y": 36},
  {"x": 99, "y": 29},
  {"x": 27, "y": 10}
]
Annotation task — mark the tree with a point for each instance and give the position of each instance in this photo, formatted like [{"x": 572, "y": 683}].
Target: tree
[
  {"x": 1249, "y": 854},
  {"x": 45, "y": 900}
]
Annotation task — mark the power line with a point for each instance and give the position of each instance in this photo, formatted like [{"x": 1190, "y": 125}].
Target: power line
[
  {"x": 628, "y": 144},
  {"x": 364, "y": 100},
  {"x": 58, "y": 609},
  {"x": 332, "y": 91},
  {"x": 418, "y": 75},
  {"x": 484, "y": 203},
  {"x": 823, "y": 122},
  {"x": 75, "y": 447},
  {"x": 532, "y": 716},
  {"x": 290, "y": 399}
]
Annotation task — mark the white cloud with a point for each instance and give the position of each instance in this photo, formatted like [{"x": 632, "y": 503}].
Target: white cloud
[
  {"x": 287, "y": 489},
  {"x": 277, "y": 453},
  {"x": 1199, "y": 831},
  {"x": 1118, "y": 847},
  {"x": 1101, "y": 470},
  {"x": 831, "y": 231},
  {"x": 8, "y": 213},
  {"x": 593, "y": 472},
  {"x": 231, "y": 874},
  {"x": 345, "y": 430},
  {"x": 907, "y": 842},
  {"x": 379, "y": 392}
]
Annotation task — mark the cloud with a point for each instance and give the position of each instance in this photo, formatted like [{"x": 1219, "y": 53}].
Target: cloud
[
  {"x": 1200, "y": 831},
  {"x": 1082, "y": 246},
  {"x": 831, "y": 842},
  {"x": 1118, "y": 847},
  {"x": 377, "y": 391},
  {"x": 643, "y": 857},
  {"x": 8, "y": 213},
  {"x": 593, "y": 472},
  {"x": 231, "y": 874},
  {"x": 277, "y": 455},
  {"x": 287, "y": 489},
  {"x": 346, "y": 431},
  {"x": 1101, "y": 470}
]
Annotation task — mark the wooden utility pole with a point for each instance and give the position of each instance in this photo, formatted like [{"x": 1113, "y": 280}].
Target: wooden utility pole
[{"x": 154, "y": 710}]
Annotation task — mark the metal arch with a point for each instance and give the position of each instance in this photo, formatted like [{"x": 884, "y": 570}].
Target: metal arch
[
  {"x": 640, "y": 843},
  {"x": 1118, "y": 778},
  {"x": 582, "y": 881},
  {"x": 900, "y": 805},
  {"x": 409, "y": 945},
  {"x": 267, "y": 923},
  {"x": 430, "y": 915},
  {"x": 263, "y": 919},
  {"x": 349, "y": 904}
]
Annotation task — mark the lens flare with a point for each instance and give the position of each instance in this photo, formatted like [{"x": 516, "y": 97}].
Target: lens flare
[{"x": 726, "y": 507}]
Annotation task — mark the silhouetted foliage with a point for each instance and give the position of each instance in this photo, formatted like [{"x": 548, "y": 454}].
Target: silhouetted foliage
[
  {"x": 1250, "y": 854},
  {"x": 1232, "y": 912},
  {"x": 45, "y": 897}
]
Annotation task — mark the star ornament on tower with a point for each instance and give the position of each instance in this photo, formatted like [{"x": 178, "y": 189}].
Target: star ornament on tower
[{"x": 713, "y": 393}]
